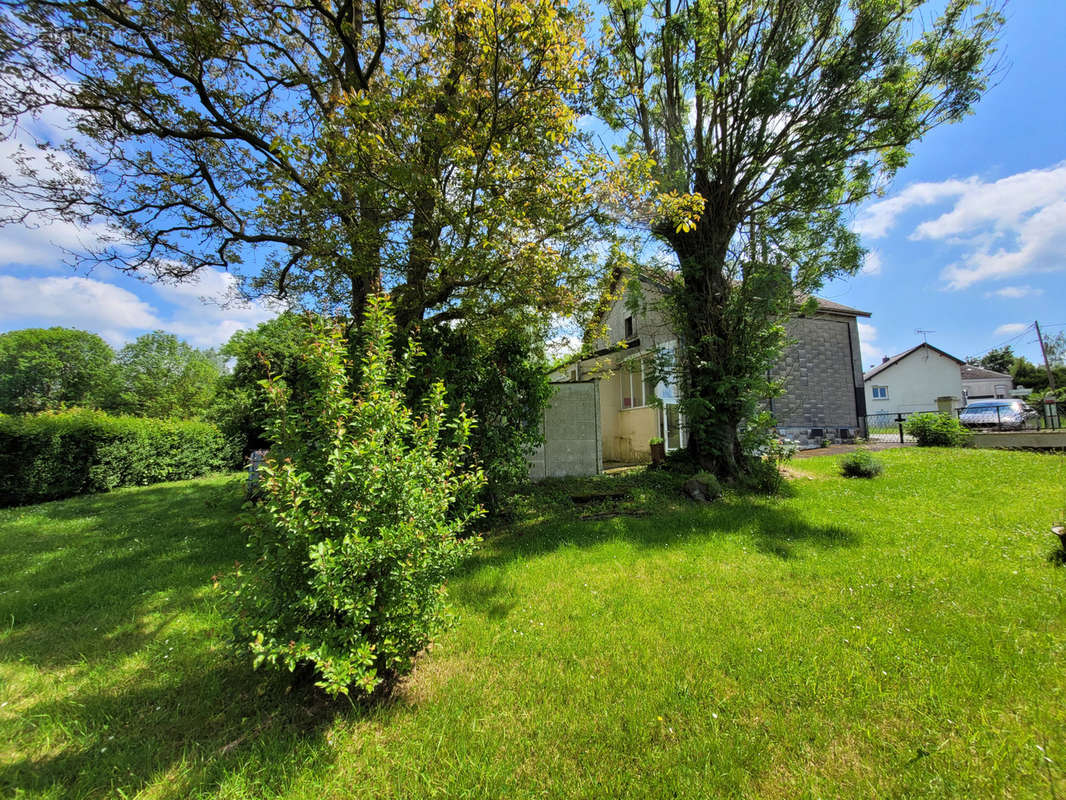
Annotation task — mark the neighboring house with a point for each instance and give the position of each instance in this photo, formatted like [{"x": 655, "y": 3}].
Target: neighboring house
[
  {"x": 822, "y": 371},
  {"x": 978, "y": 383},
  {"x": 924, "y": 378}
]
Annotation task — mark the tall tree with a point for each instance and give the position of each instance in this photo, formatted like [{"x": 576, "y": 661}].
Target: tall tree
[
  {"x": 1000, "y": 359},
  {"x": 340, "y": 147},
  {"x": 162, "y": 376},
  {"x": 1055, "y": 348},
  {"x": 763, "y": 122},
  {"x": 48, "y": 368}
]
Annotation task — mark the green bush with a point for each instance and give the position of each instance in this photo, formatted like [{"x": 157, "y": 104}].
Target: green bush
[
  {"x": 860, "y": 464},
  {"x": 357, "y": 529},
  {"x": 53, "y": 455},
  {"x": 937, "y": 430},
  {"x": 762, "y": 477}
]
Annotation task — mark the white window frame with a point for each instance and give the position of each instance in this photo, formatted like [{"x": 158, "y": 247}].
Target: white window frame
[
  {"x": 883, "y": 392},
  {"x": 626, "y": 376}
]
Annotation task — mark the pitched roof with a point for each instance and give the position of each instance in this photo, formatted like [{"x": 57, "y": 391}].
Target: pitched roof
[
  {"x": 829, "y": 307},
  {"x": 896, "y": 359},
  {"x": 971, "y": 372}
]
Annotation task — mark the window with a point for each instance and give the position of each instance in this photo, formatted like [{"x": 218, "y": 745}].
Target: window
[
  {"x": 637, "y": 387},
  {"x": 573, "y": 374},
  {"x": 629, "y": 327},
  {"x": 880, "y": 392}
]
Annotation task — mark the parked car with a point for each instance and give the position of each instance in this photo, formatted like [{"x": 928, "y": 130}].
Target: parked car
[{"x": 1003, "y": 414}]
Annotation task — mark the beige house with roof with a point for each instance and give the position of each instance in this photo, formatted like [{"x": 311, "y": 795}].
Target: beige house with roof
[{"x": 822, "y": 371}]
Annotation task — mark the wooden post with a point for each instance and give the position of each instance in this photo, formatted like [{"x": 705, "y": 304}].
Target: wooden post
[{"x": 1043, "y": 352}]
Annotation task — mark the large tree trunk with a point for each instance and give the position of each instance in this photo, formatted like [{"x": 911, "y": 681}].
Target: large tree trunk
[{"x": 713, "y": 410}]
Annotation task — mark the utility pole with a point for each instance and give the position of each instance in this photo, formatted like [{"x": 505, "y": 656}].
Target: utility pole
[{"x": 1043, "y": 352}]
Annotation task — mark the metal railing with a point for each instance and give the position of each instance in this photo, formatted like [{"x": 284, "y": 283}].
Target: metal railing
[{"x": 891, "y": 426}]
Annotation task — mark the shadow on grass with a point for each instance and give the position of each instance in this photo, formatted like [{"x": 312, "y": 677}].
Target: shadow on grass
[
  {"x": 112, "y": 594},
  {"x": 774, "y": 529},
  {"x": 82, "y": 576},
  {"x": 194, "y": 735}
]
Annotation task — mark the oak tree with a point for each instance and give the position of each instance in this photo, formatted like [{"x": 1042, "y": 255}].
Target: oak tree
[{"x": 324, "y": 150}]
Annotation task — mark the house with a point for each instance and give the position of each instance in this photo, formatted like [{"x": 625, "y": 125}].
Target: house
[
  {"x": 924, "y": 378},
  {"x": 821, "y": 369},
  {"x": 979, "y": 383}
]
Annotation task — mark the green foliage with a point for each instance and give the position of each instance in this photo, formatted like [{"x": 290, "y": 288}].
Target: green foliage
[
  {"x": 763, "y": 476},
  {"x": 59, "y": 454},
  {"x": 714, "y": 486},
  {"x": 47, "y": 369},
  {"x": 356, "y": 533},
  {"x": 502, "y": 381},
  {"x": 162, "y": 376},
  {"x": 339, "y": 148},
  {"x": 273, "y": 349},
  {"x": 1000, "y": 359},
  {"x": 759, "y": 124},
  {"x": 860, "y": 464},
  {"x": 937, "y": 430},
  {"x": 1034, "y": 376},
  {"x": 1055, "y": 348}
]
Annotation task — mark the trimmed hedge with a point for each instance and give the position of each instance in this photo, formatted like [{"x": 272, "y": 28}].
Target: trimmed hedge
[{"x": 53, "y": 455}]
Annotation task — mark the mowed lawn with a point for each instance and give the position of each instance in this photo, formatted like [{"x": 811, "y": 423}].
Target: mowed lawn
[{"x": 900, "y": 637}]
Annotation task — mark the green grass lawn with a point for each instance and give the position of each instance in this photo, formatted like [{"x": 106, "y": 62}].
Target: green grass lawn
[{"x": 901, "y": 637}]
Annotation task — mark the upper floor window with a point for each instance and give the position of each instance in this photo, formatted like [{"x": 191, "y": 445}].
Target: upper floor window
[
  {"x": 880, "y": 392},
  {"x": 629, "y": 327}
]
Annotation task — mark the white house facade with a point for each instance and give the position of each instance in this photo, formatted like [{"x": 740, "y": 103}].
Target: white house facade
[{"x": 924, "y": 378}]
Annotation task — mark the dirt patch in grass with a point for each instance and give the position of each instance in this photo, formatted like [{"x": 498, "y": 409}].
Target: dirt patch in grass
[{"x": 793, "y": 474}]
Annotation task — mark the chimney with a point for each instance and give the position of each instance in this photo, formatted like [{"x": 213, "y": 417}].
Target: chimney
[{"x": 884, "y": 359}]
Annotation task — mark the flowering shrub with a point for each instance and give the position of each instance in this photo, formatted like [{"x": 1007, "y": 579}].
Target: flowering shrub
[{"x": 356, "y": 532}]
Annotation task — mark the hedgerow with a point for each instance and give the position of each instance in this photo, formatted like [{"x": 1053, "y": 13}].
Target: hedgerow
[{"x": 53, "y": 455}]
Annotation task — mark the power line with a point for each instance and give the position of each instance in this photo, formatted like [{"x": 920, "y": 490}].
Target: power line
[{"x": 1028, "y": 328}]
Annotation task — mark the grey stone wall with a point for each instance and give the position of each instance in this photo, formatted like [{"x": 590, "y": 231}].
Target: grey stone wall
[
  {"x": 573, "y": 444},
  {"x": 821, "y": 370}
]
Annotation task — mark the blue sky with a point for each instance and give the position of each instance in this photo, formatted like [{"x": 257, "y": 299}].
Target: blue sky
[
  {"x": 970, "y": 239},
  {"x": 968, "y": 242}
]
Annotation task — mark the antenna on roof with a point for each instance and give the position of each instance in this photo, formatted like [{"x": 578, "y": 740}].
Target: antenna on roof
[{"x": 924, "y": 334}]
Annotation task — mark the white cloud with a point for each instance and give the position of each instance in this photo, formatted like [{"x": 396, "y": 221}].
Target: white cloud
[
  {"x": 872, "y": 263},
  {"x": 46, "y": 245},
  {"x": 1008, "y": 227},
  {"x": 1038, "y": 244},
  {"x": 1010, "y": 329},
  {"x": 1002, "y": 204},
  {"x": 876, "y": 219},
  {"x": 871, "y": 351},
  {"x": 73, "y": 302},
  {"x": 1015, "y": 292},
  {"x": 119, "y": 315}
]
